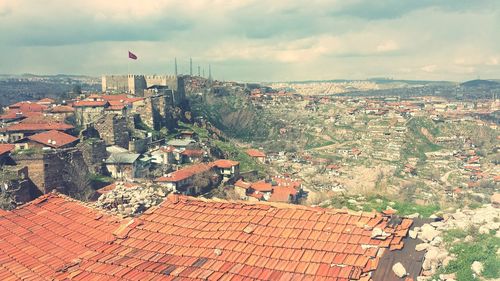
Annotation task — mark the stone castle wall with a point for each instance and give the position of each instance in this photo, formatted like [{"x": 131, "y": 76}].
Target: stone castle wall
[{"x": 113, "y": 129}]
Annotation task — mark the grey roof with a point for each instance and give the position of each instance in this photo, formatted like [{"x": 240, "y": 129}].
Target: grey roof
[
  {"x": 115, "y": 149},
  {"x": 122, "y": 158},
  {"x": 180, "y": 142}
]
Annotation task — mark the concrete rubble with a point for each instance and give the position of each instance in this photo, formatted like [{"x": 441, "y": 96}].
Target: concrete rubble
[
  {"x": 131, "y": 201},
  {"x": 485, "y": 219}
]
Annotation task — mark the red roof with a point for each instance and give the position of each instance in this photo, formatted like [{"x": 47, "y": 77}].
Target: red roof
[
  {"x": 90, "y": 103},
  {"x": 282, "y": 194},
  {"x": 46, "y": 101},
  {"x": 39, "y": 127},
  {"x": 243, "y": 184},
  {"x": 225, "y": 164},
  {"x": 255, "y": 153},
  {"x": 193, "y": 152},
  {"x": 185, "y": 173},
  {"x": 5, "y": 148},
  {"x": 62, "y": 109},
  {"x": 262, "y": 186},
  {"x": 53, "y": 138},
  {"x": 29, "y": 106},
  {"x": 17, "y": 113},
  {"x": 55, "y": 237}
]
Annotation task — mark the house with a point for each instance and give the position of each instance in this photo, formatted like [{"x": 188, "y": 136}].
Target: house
[
  {"x": 284, "y": 194},
  {"x": 123, "y": 165},
  {"x": 180, "y": 144},
  {"x": 242, "y": 188},
  {"x": 163, "y": 155},
  {"x": 203, "y": 239},
  {"x": 5, "y": 150},
  {"x": 257, "y": 154},
  {"x": 227, "y": 168},
  {"x": 22, "y": 130},
  {"x": 192, "y": 155},
  {"x": 49, "y": 140},
  {"x": 183, "y": 180},
  {"x": 61, "y": 112}
]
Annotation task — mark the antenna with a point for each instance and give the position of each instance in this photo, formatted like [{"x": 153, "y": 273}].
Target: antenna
[
  {"x": 209, "y": 72},
  {"x": 203, "y": 72},
  {"x": 199, "y": 71}
]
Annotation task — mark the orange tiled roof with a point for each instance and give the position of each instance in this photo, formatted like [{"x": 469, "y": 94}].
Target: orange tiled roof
[
  {"x": 56, "y": 237},
  {"x": 26, "y": 106},
  {"x": 193, "y": 152},
  {"x": 90, "y": 103},
  {"x": 53, "y": 138},
  {"x": 241, "y": 183},
  {"x": 282, "y": 194},
  {"x": 262, "y": 186},
  {"x": 39, "y": 127},
  {"x": 6, "y": 147},
  {"x": 185, "y": 173},
  {"x": 17, "y": 113},
  {"x": 225, "y": 164},
  {"x": 255, "y": 153},
  {"x": 46, "y": 101}
]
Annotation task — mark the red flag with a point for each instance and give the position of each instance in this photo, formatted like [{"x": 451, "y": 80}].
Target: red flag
[{"x": 131, "y": 55}]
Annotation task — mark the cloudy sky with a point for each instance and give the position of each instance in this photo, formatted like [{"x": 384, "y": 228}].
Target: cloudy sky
[{"x": 254, "y": 40}]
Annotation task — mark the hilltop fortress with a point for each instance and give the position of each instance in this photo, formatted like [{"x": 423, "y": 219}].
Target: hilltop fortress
[{"x": 137, "y": 84}]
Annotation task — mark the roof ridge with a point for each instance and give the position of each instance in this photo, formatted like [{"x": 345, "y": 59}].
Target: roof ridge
[{"x": 176, "y": 198}]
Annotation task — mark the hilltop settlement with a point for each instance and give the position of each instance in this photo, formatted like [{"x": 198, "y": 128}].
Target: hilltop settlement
[{"x": 159, "y": 177}]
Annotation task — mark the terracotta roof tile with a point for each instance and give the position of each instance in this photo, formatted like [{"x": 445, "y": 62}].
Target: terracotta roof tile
[
  {"x": 186, "y": 238},
  {"x": 53, "y": 138}
]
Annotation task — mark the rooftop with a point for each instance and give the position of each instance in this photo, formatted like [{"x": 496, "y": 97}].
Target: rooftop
[
  {"x": 57, "y": 237},
  {"x": 53, "y": 138}
]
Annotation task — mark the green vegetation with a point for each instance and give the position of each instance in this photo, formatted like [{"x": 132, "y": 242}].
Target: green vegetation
[
  {"x": 417, "y": 143},
  {"x": 483, "y": 248},
  {"x": 247, "y": 163},
  {"x": 100, "y": 178},
  {"x": 380, "y": 203}
]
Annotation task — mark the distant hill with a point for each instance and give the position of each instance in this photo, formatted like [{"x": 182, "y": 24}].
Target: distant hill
[{"x": 478, "y": 83}]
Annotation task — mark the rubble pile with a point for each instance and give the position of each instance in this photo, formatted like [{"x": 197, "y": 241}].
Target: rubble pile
[
  {"x": 485, "y": 219},
  {"x": 131, "y": 201}
]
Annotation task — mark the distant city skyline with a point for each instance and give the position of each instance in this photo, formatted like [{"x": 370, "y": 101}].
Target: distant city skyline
[{"x": 250, "y": 40}]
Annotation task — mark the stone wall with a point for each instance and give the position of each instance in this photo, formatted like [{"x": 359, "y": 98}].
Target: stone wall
[
  {"x": 113, "y": 129},
  {"x": 93, "y": 152},
  {"x": 16, "y": 187},
  {"x": 64, "y": 170}
]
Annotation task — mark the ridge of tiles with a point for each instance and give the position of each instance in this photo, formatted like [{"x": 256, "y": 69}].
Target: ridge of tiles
[{"x": 55, "y": 237}]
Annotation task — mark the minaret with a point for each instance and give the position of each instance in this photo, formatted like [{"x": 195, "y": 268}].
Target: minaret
[
  {"x": 209, "y": 72},
  {"x": 203, "y": 72},
  {"x": 175, "y": 66},
  {"x": 199, "y": 71},
  {"x": 191, "y": 66}
]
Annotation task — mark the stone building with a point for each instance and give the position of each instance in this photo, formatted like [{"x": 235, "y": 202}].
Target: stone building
[
  {"x": 113, "y": 129},
  {"x": 63, "y": 169}
]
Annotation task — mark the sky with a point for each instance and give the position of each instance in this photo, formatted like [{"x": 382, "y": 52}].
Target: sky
[{"x": 254, "y": 40}]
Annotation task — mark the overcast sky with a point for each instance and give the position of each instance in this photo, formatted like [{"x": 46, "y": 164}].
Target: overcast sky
[{"x": 253, "y": 40}]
